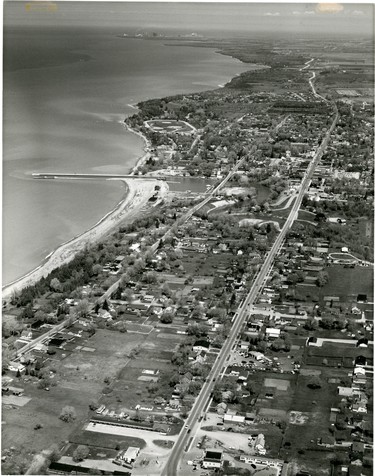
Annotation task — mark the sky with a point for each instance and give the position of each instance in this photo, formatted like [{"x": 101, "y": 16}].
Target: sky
[{"x": 343, "y": 18}]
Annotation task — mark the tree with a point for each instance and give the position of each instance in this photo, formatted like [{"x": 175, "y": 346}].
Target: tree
[
  {"x": 80, "y": 453},
  {"x": 322, "y": 279},
  {"x": 121, "y": 327},
  {"x": 197, "y": 330},
  {"x": 277, "y": 345},
  {"x": 311, "y": 324},
  {"x": 167, "y": 317},
  {"x": 93, "y": 405},
  {"x": 96, "y": 269},
  {"x": 327, "y": 322},
  {"x": 54, "y": 453},
  {"x": 83, "y": 308},
  {"x": 315, "y": 383},
  {"x": 55, "y": 285},
  {"x": 68, "y": 414}
]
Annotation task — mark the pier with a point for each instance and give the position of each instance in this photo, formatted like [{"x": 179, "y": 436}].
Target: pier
[{"x": 58, "y": 175}]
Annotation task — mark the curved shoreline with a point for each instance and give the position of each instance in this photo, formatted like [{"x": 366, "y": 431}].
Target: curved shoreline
[
  {"x": 138, "y": 193},
  {"x": 76, "y": 244},
  {"x": 45, "y": 267}
]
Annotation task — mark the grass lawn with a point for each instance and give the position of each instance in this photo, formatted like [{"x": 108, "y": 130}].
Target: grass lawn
[
  {"x": 44, "y": 408},
  {"x": 164, "y": 443},
  {"x": 198, "y": 265}
]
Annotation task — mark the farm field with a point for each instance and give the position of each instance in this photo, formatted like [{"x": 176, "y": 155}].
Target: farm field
[{"x": 349, "y": 282}]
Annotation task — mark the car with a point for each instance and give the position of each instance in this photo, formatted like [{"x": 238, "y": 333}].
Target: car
[{"x": 186, "y": 426}]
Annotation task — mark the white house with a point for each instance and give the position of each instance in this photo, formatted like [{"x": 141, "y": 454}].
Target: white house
[{"x": 272, "y": 333}]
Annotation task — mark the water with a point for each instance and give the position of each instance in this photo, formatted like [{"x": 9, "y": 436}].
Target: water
[
  {"x": 194, "y": 184},
  {"x": 65, "y": 95}
]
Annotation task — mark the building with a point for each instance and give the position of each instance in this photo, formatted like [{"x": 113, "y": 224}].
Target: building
[
  {"x": 131, "y": 454},
  {"x": 200, "y": 345},
  {"x": 212, "y": 459},
  {"x": 272, "y": 333},
  {"x": 233, "y": 418}
]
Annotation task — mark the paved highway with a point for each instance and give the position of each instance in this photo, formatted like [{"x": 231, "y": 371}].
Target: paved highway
[{"x": 171, "y": 468}]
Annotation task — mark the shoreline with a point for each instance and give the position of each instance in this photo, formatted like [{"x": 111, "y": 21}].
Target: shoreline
[
  {"x": 71, "y": 247},
  {"x": 136, "y": 196},
  {"x": 46, "y": 266}
]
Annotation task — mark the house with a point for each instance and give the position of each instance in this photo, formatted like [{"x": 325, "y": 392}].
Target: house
[
  {"x": 359, "y": 407},
  {"x": 243, "y": 375},
  {"x": 200, "y": 345},
  {"x": 27, "y": 334},
  {"x": 362, "y": 298},
  {"x": 250, "y": 417},
  {"x": 360, "y": 360},
  {"x": 234, "y": 372},
  {"x": 359, "y": 372},
  {"x": 345, "y": 391},
  {"x": 272, "y": 333},
  {"x": 358, "y": 447},
  {"x": 233, "y": 418},
  {"x": 327, "y": 441},
  {"x": 244, "y": 345},
  {"x": 221, "y": 408},
  {"x": 363, "y": 342},
  {"x": 16, "y": 367},
  {"x": 342, "y": 437},
  {"x": 212, "y": 459},
  {"x": 355, "y": 471},
  {"x": 312, "y": 342},
  {"x": 256, "y": 355},
  {"x": 201, "y": 357}
]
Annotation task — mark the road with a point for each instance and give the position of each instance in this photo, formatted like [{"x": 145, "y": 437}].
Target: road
[
  {"x": 171, "y": 468},
  {"x": 307, "y": 64},
  {"x": 54, "y": 330},
  {"x": 313, "y": 88}
]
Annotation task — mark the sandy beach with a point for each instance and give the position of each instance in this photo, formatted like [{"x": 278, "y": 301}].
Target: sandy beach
[
  {"x": 146, "y": 148},
  {"x": 139, "y": 192}
]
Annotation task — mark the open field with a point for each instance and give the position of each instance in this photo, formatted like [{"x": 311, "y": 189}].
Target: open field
[
  {"x": 349, "y": 282},
  {"x": 110, "y": 356},
  {"x": 44, "y": 408},
  {"x": 170, "y": 126}
]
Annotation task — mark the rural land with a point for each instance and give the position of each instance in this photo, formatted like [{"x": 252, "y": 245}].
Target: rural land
[{"x": 226, "y": 326}]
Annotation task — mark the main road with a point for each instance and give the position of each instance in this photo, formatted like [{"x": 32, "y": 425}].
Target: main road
[{"x": 171, "y": 468}]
